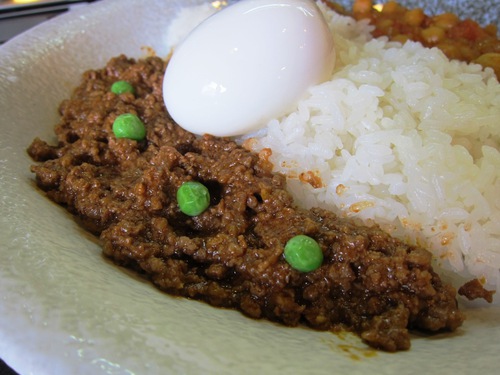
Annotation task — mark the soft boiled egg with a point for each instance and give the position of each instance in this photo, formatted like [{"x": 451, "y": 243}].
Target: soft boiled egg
[{"x": 246, "y": 64}]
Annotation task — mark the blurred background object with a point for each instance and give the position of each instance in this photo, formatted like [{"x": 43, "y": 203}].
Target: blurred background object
[{"x": 17, "y": 16}]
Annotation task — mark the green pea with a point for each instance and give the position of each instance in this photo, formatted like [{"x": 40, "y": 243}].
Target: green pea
[
  {"x": 193, "y": 198},
  {"x": 303, "y": 253},
  {"x": 129, "y": 126},
  {"x": 120, "y": 87}
]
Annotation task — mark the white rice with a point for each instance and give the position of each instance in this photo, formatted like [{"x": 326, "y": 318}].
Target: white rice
[{"x": 402, "y": 137}]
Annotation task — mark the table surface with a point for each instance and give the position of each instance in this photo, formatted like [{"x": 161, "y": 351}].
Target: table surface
[{"x": 6, "y": 370}]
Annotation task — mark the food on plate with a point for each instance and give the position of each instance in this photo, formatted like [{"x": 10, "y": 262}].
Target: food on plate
[
  {"x": 303, "y": 253},
  {"x": 246, "y": 64},
  {"x": 128, "y": 125},
  {"x": 210, "y": 219},
  {"x": 193, "y": 198},
  {"x": 231, "y": 254},
  {"x": 403, "y": 137},
  {"x": 473, "y": 289},
  {"x": 462, "y": 39},
  {"x": 120, "y": 87}
]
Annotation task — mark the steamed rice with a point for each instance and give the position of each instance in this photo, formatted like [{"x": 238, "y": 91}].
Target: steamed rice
[{"x": 402, "y": 137}]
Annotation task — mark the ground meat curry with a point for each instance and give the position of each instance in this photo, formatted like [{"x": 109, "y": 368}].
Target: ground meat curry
[{"x": 230, "y": 255}]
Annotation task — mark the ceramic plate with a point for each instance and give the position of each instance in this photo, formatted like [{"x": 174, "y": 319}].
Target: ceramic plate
[{"x": 64, "y": 309}]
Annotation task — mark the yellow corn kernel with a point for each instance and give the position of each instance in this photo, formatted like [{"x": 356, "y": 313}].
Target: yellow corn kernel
[
  {"x": 445, "y": 21},
  {"x": 362, "y": 6},
  {"x": 452, "y": 51},
  {"x": 385, "y": 25},
  {"x": 414, "y": 17},
  {"x": 391, "y": 7},
  {"x": 490, "y": 59},
  {"x": 468, "y": 53},
  {"x": 401, "y": 38},
  {"x": 433, "y": 34},
  {"x": 491, "y": 29}
]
